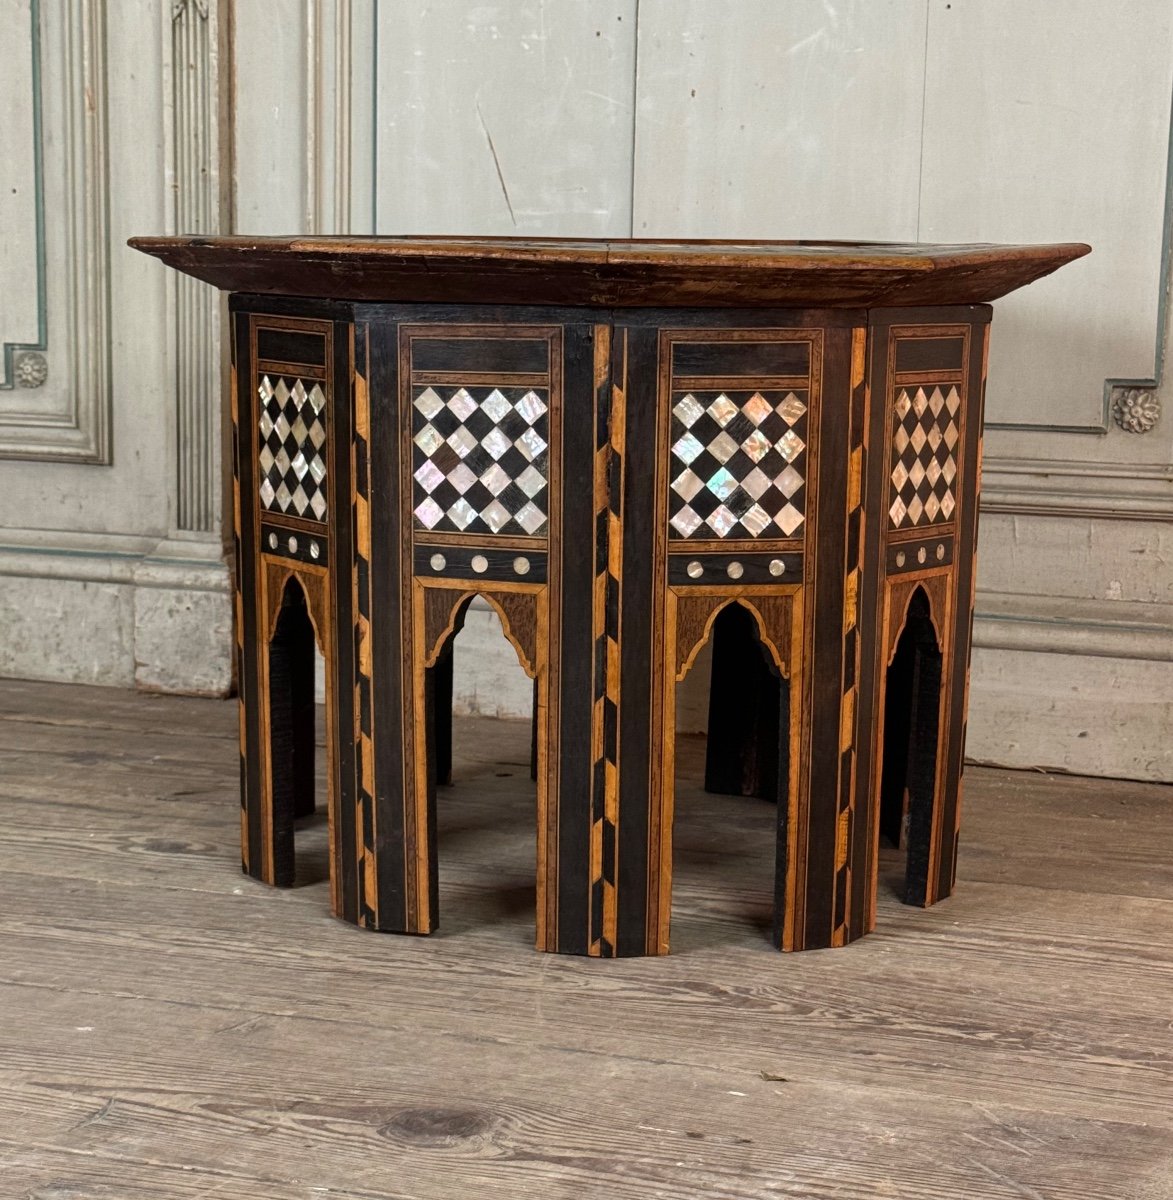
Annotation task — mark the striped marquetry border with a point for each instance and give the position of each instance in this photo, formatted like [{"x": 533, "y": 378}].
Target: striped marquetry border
[
  {"x": 244, "y": 699},
  {"x": 610, "y": 424},
  {"x": 364, "y": 718},
  {"x": 842, "y": 928}
]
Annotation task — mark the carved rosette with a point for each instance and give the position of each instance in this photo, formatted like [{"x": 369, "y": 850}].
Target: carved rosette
[
  {"x": 31, "y": 370},
  {"x": 1136, "y": 410}
]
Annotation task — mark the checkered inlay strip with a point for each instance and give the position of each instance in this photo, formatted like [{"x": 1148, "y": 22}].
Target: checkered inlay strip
[
  {"x": 738, "y": 464},
  {"x": 924, "y": 463},
  {"x": 480, "y": 459},
  {"x": 292, "y": 454}
]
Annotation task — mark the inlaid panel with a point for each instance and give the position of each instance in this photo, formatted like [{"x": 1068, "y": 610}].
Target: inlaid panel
[
  {"x": 291, "y": 453},
  {"x": 481, "y": 459},
  {"x": 924, "y": 464},
  {"x": 738, "y": 463}
]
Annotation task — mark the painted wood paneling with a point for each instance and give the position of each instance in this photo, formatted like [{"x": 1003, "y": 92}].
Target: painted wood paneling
[
  {"x": 270, "y": 125},
  {"x": 763, "y": 119},
  {"x": 505, "y": 118},
  {"x": 1054, "y": 118},
  {"x": 18, "y": 195}
]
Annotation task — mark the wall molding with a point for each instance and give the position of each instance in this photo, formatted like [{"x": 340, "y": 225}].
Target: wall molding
[
  {"x": 1074, "y": 625},
  {"x": 194, "y": 167},
  {"x": 116, "y": 610},
  {"x": 117, "y": 558},
  {"x": 79, "y": 430},
  {"x": 17, "y": 356},
  {"x": 1069, "y": 488},
  {"x": 328, "y": 155}
]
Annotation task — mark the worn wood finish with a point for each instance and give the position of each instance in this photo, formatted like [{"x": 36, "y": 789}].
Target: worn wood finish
[
  {"x": 177, "y": 1031},
  {"x": 611, "y": 273},
  {"x": 786, "y": 426}
]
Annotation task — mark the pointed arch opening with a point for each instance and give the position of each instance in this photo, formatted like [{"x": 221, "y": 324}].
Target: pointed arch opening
[
  {"x": 908, "y": 778},
  {"x": 732, "y": 754},
  {"x": 298, "y": 789},
  {"x": 482, "y": 763}
]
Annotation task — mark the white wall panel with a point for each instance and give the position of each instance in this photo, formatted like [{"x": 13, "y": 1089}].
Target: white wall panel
[
  {"x": 1050, "y": 122},
  {"x": 794, "y": 120},
  {"x": 19, "y": 155},
  {"x": 270, "y": 127},
  {"x": 505, "y": 118}
]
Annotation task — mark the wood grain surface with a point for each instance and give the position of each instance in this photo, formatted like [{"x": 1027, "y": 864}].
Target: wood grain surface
[
  {"x": 172, "y": 1028},
  {"x": 625, "y": 273}
]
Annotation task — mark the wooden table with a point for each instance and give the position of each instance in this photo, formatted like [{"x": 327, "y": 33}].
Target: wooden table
[{"x": 626, "y": 448}]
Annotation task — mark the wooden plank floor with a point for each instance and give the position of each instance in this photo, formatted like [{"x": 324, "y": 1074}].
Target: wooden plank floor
[{"x": 171, "y": 1029}]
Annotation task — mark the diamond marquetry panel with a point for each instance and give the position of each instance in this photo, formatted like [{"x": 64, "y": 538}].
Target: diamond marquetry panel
[
  {"x": 924, "y": 456},
  {"x": 480, "y": 459},
  {"x": 738, "y": 464},
  {"x": 292, "y": 447}
]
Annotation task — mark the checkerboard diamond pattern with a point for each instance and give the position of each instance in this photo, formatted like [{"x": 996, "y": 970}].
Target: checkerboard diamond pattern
[
  {"x": 292, "y": 455},
  {"x": 924, "y": 463},
  {"x": 738, "y": 464},
  {"x": 480, "y": 459}
]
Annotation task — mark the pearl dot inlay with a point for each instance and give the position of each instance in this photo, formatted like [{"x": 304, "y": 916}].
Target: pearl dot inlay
[
  {"x": 292, "y": 544},
  {"x": 777, "y": 567},
  {"x": 274, "y": 541},
  {"x": 315, "y": 550},
  {"x": 695, "y": 570},
  {"x": 922, "y": 555},
  {"x": 940, "y": 552},
  {"x": 521, "y": 565},
  {"x": 900, "y": 559},
  {"x": 735, "y": 570},
  {"x": 480, "y": 564},
  {"x": 438, "y": 562}
]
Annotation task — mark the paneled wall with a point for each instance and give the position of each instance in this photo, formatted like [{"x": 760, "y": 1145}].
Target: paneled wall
[
  {"x": 111, "y": 562},
  {"x": 950, "y": 120}
]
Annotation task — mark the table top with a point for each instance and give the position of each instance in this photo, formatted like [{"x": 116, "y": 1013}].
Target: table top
[{"x": 611, "y": 272}]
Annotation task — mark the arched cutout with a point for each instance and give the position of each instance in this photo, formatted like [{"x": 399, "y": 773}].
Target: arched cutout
[
  {"x": 292, "y": 718},
  {"x": 912, "y": 707},
  {"x": 490, "y": 806},
  {"x": 747, "y": 746},
  {"x": 697, "y": 619},
  {"x": 722, "y": 846},
  {"x": 313, "y": 591},
  {"x": 445, "y": 610}
]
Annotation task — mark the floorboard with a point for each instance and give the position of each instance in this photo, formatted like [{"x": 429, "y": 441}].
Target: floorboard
[{"x": 172, "y": 1029}]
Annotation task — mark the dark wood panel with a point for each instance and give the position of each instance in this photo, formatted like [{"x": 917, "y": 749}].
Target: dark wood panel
[
  {"x": 248, "y": 671},
  {"x": 390, "y": 626},
  {"x": 714, "y": 569},
  {"x": 930, "y": 353},
  {"x": 476, "y": 565},
  {"x": 291, "y": 346},
  {"x": 640, "y": 658},
  {"x": 573, "y": 749},
  {"x": 296, "y": 545},
  {"x": 471, "y": 353},
  {"x": 745, "y": 357},
  {"x": 825, "y": 672}
]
